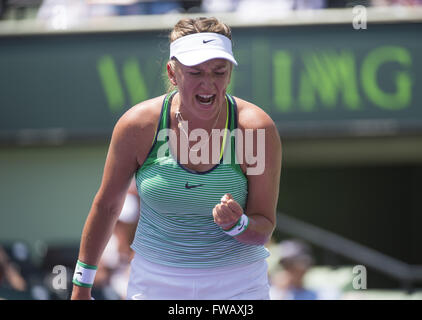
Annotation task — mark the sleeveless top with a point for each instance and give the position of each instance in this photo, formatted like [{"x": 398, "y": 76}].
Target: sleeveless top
[{"x": 176, "y": 226}]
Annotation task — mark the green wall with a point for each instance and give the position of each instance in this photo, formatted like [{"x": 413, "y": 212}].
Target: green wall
[{"x": 46, "y": 192}]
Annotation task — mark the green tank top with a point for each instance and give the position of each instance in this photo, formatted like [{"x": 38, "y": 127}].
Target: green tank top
[{"x": 176, "y": 226}]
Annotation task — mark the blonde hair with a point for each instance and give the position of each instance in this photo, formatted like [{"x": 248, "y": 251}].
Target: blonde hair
[{"x": 196, "y": 25}]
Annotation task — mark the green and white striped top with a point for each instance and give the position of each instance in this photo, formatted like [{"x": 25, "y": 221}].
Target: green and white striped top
[{"x": 176, "y": 226}]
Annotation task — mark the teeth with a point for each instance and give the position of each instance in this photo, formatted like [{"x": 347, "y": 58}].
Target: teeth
[{"x": 206, "y": 99}]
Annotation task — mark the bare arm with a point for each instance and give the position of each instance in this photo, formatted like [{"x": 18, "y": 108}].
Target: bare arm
[
  {"x": 129, "y": 145},
  {"x": 263, "y": 191},
  {"x": 263, "y": 181}
]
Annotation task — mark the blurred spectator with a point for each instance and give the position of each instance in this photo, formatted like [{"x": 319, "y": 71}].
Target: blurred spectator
[
  {"x": 113, "y": 270},
  {"x": 309, "y": 4},
  {"x": 287, "y": 284},
  {"x": 264, "y": 7},
  {"x": 255, "y": 9},
  {"x": 219, "y": 5},
  {"x": 192, "y": 6},
  {"x": 62, "y": 14},
  {"x": 133, "y": 7},
  {"x": 10, "y": 277}
]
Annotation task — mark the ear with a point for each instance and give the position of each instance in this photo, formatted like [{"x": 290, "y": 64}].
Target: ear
[{"x": 171, "y": 74}]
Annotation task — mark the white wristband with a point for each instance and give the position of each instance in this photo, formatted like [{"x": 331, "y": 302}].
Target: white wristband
[
  {"x": 84, "y": 275},
  {"x": 241, "y": 225}
]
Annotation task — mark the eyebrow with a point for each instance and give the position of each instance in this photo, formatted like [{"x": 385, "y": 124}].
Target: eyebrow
[{"x": 221, "y": 66}]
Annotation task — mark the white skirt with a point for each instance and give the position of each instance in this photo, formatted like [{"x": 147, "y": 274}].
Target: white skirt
[{"x": 151, "y": 281}]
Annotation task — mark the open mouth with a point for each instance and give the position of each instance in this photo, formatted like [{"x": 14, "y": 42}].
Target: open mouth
[{"x": 206, "y": 99}]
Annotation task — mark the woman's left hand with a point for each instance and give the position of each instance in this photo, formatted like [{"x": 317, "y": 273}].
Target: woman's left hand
[{"x": 227, "y": 212}]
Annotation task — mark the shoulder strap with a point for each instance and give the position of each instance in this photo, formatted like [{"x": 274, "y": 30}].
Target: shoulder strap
[
  {"x": 233, "y": 127},
  {"x": 162, "y": 124},
  {"x": 166, "y": 109}
]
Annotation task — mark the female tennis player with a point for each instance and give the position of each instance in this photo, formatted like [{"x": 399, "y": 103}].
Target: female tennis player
[{"x": 203, "y": 224}]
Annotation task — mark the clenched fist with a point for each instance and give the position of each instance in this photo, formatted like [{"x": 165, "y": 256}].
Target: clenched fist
[{"x": 227, "y": 212}]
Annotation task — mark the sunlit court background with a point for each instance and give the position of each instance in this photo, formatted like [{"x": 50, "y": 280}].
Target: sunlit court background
[{"x": 341, "y": 79}]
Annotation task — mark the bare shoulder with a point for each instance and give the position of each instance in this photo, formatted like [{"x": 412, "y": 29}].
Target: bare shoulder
[
  {"x": 135, "y": 130},
  {"x": 250, "y": 116},
  {"x": 144, "y": 115}
]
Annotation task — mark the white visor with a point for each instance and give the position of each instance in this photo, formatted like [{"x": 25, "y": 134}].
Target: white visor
[{"x": 196, "y": 48}]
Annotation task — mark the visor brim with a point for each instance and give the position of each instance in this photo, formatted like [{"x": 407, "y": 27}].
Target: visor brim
[{"x": 192, "y": 58}]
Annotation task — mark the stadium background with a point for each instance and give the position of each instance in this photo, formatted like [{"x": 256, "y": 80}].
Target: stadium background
[{"x": 348, "y": 104}]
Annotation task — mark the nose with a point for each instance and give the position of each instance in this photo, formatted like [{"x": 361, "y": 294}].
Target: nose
[{"x": 207, "y": 81}]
